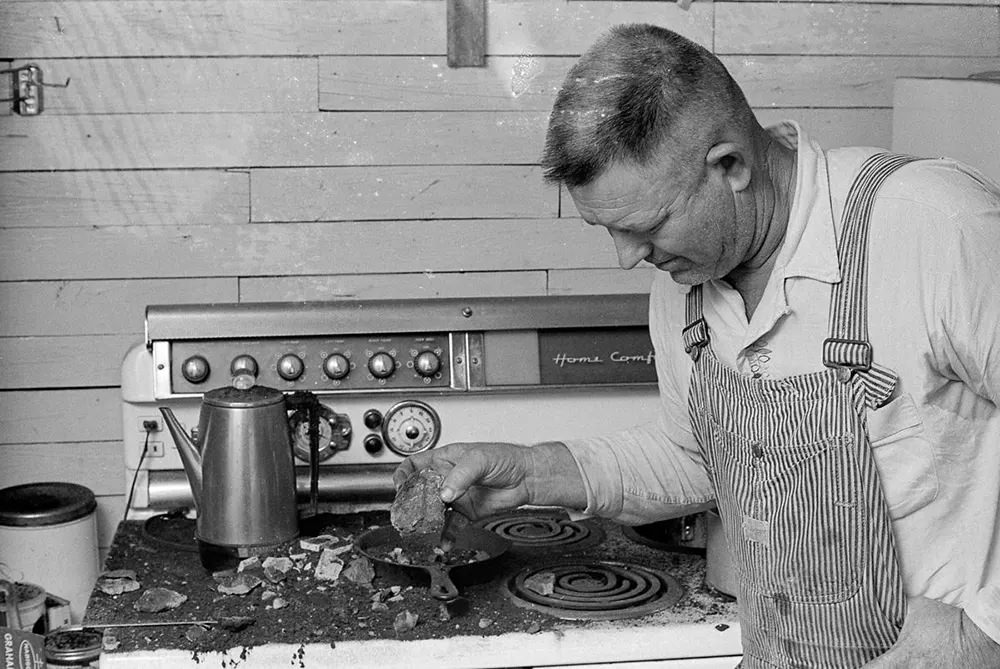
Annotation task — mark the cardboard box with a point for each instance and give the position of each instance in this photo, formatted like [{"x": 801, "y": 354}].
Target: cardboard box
[{"x": 954, "y": 118}]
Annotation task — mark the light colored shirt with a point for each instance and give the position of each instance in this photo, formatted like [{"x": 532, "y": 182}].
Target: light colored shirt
[{"x": 934, "y": 318}]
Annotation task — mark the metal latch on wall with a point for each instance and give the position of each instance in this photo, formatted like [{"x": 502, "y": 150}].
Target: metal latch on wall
[{"x": 26, "y": 89}]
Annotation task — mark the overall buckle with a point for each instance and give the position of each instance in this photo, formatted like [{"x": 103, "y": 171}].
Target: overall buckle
[
  {"x": 847, "y": 356},
  {"x": 695, "y": 336}
]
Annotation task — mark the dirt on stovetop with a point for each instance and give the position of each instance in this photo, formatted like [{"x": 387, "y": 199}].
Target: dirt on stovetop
[
  {"x": 309, "y": 610},
  {"x": 301, "y": 609}
]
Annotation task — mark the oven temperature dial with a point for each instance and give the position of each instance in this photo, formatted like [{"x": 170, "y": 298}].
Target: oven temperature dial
[{"x": 410, "y": 426}]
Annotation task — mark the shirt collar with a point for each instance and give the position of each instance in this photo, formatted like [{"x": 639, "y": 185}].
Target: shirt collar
[{"x": 810, "y": 246}]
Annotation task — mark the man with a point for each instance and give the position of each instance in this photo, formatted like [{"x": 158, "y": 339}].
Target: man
[{"x": 828, "y": 362}]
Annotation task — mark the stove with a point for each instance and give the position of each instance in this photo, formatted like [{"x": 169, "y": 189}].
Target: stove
[{"x": 396, "y": 377}]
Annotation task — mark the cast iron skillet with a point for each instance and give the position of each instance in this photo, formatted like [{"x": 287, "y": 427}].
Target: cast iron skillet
[{"x": 384, "y": 539}]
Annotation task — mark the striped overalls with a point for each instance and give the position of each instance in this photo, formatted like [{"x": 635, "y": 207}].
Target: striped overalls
[{"x": 795, "y": 478}]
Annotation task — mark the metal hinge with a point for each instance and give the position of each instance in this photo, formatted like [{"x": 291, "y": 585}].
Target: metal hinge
[{"x": 26, "y": 89}]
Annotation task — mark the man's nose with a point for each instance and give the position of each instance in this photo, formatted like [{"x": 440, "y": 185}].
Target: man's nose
[{"x": 631, "y": 251}]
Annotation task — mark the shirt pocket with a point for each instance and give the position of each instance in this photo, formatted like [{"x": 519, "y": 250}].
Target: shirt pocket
[{"x": 903, "y": 456}]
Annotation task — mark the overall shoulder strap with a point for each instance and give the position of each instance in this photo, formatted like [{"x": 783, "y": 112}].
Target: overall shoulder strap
[
  {"x": 695, "y": 331},
  {"x": 847, "y": 349}
]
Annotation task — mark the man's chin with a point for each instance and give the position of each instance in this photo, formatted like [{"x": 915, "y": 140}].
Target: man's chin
[{"x": 685, "y": 276}]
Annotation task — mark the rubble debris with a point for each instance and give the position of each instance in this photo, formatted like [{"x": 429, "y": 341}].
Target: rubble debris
[
  {"x": 249, "y": 563},
  {"x": 360, "y": 571},
  {"x": 405, "y": 621},
  {"x": 118, "y": 581},
  {"x": 318, "y": 543},
  {"x": 237, "y": 584},
  {"x": 329, "y": 566},
  {"x": 110, "y": 642},
  {"x": 120, "y": 573},
  {"x": 196, "y": 633},
  {"x": 543, "y": 583},
  {"x": 155, "y": 600},
  {"x": 444, "y": 615},
  {"x": 282, "y": 564},
  {"x": 534, "y": 628},
  {"x": 485, "y": 622},
  {"x": 380, "y": 607},
  {"x": 417, "y": 507},
  {"x": 340, "y": 550},
  {"x": 236, "y": 623}
]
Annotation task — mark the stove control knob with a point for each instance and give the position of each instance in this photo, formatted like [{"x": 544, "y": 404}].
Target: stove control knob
[
  {"x": 195, "y": 369},
  {"x": 373, "y": 443},
  {"x": 427, "y": 363},
  {"x": 337, "y": 366},
  {"x": 382, "y": 365},
  {"x": 290, "y": 367},
  {"x": 243, "y": 364},
  {"x": 372, "y": 419}
]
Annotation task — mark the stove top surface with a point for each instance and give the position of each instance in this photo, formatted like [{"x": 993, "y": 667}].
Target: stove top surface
[{"x": 580, "y": 575}]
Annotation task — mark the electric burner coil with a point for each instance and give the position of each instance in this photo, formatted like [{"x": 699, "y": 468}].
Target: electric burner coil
[
  {"x": 540, "y": 532},
  {"x": 593, "y": 590}
]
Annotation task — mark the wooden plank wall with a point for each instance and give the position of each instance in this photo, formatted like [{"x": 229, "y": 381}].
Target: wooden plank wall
[{"x": 246, "y": 150}]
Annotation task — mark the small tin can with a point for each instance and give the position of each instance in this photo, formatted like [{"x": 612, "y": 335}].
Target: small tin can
[
  {"x": 30, "y": 607},
  {"x": 73, "y": 648}
]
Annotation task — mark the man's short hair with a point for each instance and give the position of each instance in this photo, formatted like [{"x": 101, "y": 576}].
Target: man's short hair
[{"x": 637, "y": 86}]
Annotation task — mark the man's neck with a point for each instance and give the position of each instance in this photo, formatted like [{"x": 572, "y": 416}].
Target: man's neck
[{"x": 773, "y": 201}]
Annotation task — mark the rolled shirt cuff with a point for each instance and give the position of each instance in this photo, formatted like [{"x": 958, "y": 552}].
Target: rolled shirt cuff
[{"x": 602, "y": 477}]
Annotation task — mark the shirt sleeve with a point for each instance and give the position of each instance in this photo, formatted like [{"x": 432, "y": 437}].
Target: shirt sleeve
[
  {"x": 965, "y": 346},
  {"x": 970, "y": 352},
  {"x": 651, "y": 471}
]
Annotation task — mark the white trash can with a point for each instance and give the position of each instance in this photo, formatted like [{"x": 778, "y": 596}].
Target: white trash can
[{"x": 48, "y": 536}]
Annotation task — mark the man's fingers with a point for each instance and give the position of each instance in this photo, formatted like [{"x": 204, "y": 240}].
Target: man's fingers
[
  {"x": 409, "y": 467},
  {"x": 469, "y": 471},
  {"x": 440, "y": 459}
]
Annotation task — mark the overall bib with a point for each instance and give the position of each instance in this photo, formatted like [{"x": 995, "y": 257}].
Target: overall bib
[{"x": 797, "y": 489}]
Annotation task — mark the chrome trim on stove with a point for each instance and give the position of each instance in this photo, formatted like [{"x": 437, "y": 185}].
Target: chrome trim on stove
[
  {"x": 476, "y": 368},
  {"x": 345, "y": 483},
  {"x": 305, "y": 319}
]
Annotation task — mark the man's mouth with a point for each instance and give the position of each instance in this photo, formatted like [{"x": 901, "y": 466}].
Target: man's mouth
[{"x": 665, "y": 264}]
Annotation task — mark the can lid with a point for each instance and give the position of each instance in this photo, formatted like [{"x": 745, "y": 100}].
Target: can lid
[
  {"x": 46, "y": 503},
  {"x": 73, "y": 647}
]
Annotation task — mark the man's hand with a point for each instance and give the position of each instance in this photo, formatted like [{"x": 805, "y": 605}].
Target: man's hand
[
  {"x": 481, "y": 479},
  {"x": 935, "y": 636}
]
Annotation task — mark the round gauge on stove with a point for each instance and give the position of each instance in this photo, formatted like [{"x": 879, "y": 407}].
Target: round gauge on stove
[{"x": 410, "y": 426}]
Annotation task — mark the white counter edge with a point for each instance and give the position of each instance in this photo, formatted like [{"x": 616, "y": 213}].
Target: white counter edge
[{"x": 551, "y": 648}]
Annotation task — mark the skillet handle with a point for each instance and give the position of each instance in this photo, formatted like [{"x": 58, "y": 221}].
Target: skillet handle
[{"x": 442, "y": 586}]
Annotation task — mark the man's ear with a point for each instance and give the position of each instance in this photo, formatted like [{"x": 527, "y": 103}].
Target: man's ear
[{"x": 729, "y": 157}]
